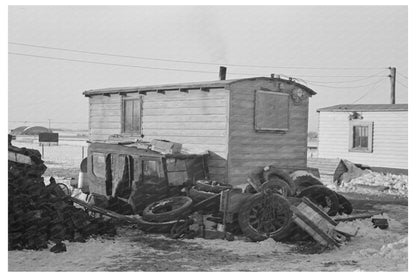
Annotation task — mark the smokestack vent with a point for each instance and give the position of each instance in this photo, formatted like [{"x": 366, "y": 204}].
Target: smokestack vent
[{"x": 223, "y": 72}]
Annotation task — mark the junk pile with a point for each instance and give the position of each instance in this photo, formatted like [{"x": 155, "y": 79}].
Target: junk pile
[
  {"x": 350, "y": 177},
  {"x": 273, "y": 204},
  {"x": 40, "y": 214}
]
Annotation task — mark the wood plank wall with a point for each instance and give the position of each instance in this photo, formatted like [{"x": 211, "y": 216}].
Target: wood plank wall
[
  {"x": 248, "y": 148},
  {"x": 197, "y": 119}
]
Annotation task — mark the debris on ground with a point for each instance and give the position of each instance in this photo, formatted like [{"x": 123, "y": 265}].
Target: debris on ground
[
  {"x": 40, "y": 214},
  {"x": 272, "y": 212}
]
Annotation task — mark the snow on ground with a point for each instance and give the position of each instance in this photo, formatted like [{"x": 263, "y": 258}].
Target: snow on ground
[
  {"x": 132, "y": 250},
  {"x": 66, "y": 154},
  {"x": 377, "y": 183},
  {"x": 371, "y": 250}
]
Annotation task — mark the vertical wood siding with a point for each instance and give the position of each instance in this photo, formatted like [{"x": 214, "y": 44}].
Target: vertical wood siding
[
  {"x": 389, "y": 138},
  {"x": 197, "y": 119},
  {"x": 248, "y": 149}
]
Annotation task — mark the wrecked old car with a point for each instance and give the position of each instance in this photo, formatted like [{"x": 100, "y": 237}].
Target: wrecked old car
[{"x": 133, "y": 176}]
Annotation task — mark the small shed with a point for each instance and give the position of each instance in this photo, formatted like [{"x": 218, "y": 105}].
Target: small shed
[
  {"x": 370, "y": 134},
  {"x": 243, "y": 123}
]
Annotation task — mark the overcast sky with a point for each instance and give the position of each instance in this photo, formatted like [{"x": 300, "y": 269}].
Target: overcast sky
[{"x": 281, "y": 36}]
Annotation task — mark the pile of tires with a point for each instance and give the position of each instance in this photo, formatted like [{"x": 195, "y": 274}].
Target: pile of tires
[
  {"x": 307, "y": 185},
  {"x": 271, "y": 178}
]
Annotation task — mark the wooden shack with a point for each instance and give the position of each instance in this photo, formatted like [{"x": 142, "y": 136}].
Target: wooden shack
[{"x": 243, "y": 123}]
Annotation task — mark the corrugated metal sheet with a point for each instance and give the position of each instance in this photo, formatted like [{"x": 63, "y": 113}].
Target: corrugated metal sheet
[{"x": 390, "y": 144}]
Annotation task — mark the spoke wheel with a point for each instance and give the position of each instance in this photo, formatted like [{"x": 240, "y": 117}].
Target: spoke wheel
[{"x": 265, "y": 216}]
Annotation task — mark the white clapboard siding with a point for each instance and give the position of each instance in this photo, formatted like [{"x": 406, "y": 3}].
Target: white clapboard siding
[{"x": 390, "y": 142}]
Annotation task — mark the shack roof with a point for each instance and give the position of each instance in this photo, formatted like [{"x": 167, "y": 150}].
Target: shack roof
[
  {"x": 365, "y": 108},
  {"x": 185, "y": 86}
]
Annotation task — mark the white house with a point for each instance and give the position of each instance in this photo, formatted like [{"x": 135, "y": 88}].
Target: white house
[{"x": 370, "y": 134}]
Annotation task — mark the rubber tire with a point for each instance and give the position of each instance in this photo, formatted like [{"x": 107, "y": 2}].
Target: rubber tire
[
  {"x": 276, "y": 184},
  {"x": 316, "y": 194},
  {"x": 198, "y": 196},
  {"x": 253, "y": 234},
  {"x": 174, "y": 214},
  {"x": 306, "y": 181},
  {"x": 201, "y": 186},
  {"x": 276, "y": 172},
  {"x": 345, "y": 206},
  {"x": 64, "y": 188}
]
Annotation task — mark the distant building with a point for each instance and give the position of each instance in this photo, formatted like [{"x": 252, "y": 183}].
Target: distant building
[
  {"x": 374, "y": 135},
  {"x": 29, "y": 131}
]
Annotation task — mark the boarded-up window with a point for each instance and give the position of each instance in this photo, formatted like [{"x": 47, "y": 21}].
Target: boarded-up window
[
  {"x": 361, "y": 136},
  {"x": 271, "y": 111},
  {"x": 131, "y": 115}
]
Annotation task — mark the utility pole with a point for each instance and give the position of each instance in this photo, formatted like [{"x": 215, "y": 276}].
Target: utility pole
[{"x": 393, "y": 85}]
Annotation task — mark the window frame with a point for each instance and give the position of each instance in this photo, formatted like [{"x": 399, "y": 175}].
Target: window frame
[
  {"x": 258, "y": 128},
  {"x": 94, "y": 157},
  {"x": 370, "y": 126},
  {"x": 123, "y": 115}
]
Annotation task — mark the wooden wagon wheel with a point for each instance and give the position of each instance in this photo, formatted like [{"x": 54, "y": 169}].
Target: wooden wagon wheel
[{"x": 265, "y": 216}]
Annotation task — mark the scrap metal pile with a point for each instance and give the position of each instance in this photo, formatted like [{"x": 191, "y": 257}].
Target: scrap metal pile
[
  {"x": 40, "y": 214},
  {"x": 273, "y": 205}
]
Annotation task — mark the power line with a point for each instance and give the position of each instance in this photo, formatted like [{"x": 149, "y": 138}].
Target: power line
[
  {"x": 401, "y": 83},
  {"x": 122, "y": 65},
  {"x": 349, "y": 87},
  {"x": 170, "y": 69},
  {"x": 191, "y": 62},
  {"x": 348, "y": 81},
  {"x": 338, "y": 76},
  {"x": 404, "y": 76},
  {"x": 372, "y": 88}
]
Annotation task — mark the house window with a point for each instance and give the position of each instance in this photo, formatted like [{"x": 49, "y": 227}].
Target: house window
[
  {"x": 271, "y": 111},
  {"x": 131, "y": 116},
  {"x": 361, "y": 136}
]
